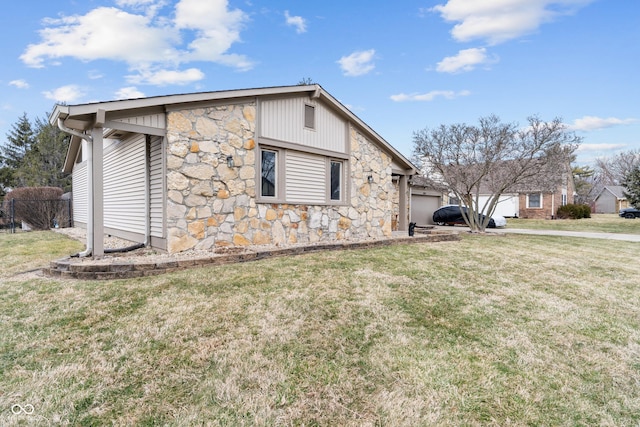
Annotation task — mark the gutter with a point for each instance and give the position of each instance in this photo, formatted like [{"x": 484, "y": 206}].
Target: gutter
[{"x": 89, "y": 249}]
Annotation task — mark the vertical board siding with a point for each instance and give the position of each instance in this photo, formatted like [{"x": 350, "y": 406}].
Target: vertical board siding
[
  {"x": 306, "y": 180},
  {"x": 157, "y": 192},
  {"x": 80, "y": 193},
  {"x": 283, "y": 120},
  {"x": 125, "y": 185},
  {"x": 150, "y": 120}
]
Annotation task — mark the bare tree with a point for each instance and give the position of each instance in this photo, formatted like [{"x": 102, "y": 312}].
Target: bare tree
[
  {"x": 613, "y": 170},
  {"x": 497, "y": 157}
]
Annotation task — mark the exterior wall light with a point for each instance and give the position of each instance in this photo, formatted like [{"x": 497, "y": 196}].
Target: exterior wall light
[
  {"x": 230, "y": 162},
  {"x": 370, "y": 179}
]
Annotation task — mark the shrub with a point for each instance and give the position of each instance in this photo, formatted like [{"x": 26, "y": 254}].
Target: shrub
[
  {"x": 38, "y": 206},
  {"x": 572, "y": 211}
]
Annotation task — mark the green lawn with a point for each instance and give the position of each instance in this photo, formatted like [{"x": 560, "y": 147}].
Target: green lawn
[
  {"x": 608, "y": 223},
  {"x": 490, "y": 330}
]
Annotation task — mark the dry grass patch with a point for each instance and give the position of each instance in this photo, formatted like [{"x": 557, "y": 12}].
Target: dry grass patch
[
  {"x": 488, "y": 331},
  {"x": 605, "y": 223},
  {"x": 27, "y": 251}
]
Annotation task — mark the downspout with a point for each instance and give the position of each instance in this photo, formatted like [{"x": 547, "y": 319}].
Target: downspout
[
  {"x": 89, "y": 249},
  {"x": 147, "y": 190}
]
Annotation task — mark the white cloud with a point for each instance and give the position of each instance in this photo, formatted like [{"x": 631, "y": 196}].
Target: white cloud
[
  {"x": 296, "y": 21},
  {"x": 166, "y": 77},
  {"x": 199, "y": 31},
  {"x": 465, "y": 60},
  {"x": 497, "y": 21},
  {"x": 135, "y": 3},
  {"x": 95, "y": 75},
  {"x": 103, "y": 33},
  {"x": 429, "y": 96},
  {"x": 150, "y": 7},
  {"x": 20, "y": 84},
  {"x": 358, "y": 63},
  {"x": 130, "y": 92},
  {"x": 588, "y": 123},
  {"x": 216, "y": 27},
  {"x": 600, "y": 147},
  {"x": 69, "y": 93}
]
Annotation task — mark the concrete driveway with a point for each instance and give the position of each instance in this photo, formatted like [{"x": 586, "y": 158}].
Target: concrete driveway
[{"x": 584, "y": 234}]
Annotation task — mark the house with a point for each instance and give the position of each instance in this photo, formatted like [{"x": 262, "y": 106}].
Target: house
[
  {"x": 533, "y": 202},
  {"x": 277, "y": 165},
  {"x": 611, "y": 199},
  {"x": 525, "y": 201}
]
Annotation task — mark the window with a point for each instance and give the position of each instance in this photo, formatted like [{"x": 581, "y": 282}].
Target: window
[
  {"x": 336, "y": 180},
  {"x": 309, "y": 116},
  {"x": 299, "y": 177},
  {"x": 564, "y": 200},
  {"x": 534, "y": 200},
  {"x": 268, "y": 162}
]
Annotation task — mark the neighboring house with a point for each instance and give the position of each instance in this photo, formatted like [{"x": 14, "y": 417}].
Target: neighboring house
[
  {"x": 278, "y": 166},
  {"x": 611, "y": 199},
  {"x": 526, "y": 202}
]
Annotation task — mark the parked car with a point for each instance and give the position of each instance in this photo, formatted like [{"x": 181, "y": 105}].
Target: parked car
[
  {"x": 630, "y": 213},
  {"x": 451, "y": 215}
]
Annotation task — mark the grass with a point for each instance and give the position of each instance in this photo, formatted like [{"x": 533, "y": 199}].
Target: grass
[
  {"x": 492, "y": 330},
  {"x": 23, "y": 252},
  {"x": 606, "y": 223}
]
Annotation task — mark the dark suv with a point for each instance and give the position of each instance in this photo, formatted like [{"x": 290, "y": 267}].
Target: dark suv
[{"x": 630, "y": 213}]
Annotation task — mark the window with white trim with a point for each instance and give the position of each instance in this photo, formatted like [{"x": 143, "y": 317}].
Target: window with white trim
[{"x": 534, "y": 200}]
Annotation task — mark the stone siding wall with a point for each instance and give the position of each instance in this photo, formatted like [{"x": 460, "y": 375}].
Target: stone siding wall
[{"x": 211, "y": 205}]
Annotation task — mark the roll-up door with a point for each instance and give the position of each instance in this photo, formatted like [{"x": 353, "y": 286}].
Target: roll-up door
[{"x": 422, "y": 208}]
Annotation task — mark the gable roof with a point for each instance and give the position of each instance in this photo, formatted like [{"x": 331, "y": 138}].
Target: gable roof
[
  {"x": 616, "y": 190},
  {"x": 83, "y": 117}
]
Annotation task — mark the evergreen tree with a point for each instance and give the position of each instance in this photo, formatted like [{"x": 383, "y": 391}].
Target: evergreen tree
[
  {"x": 42, "y": 164},
  {"x": 19, "y": 142},
  {"x": 632, "y": 186},
  {"x": 584, "y": 184}
]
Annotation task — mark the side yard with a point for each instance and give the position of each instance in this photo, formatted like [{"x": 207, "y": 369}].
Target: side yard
[
  {"x": 606, "y": 223},
  {"x": 491, "y": 330}
]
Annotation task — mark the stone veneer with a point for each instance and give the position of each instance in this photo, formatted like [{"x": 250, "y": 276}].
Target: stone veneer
[{"x": 210, "y": 205}]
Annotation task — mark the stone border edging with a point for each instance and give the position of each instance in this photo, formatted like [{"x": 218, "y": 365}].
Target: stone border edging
[{"x": 68, "y": 269}]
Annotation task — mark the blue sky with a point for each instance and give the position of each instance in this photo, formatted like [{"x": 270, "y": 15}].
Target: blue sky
[{"x": 400, "y": 66}]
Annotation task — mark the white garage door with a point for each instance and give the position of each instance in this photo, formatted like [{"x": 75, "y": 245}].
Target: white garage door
[{"x": 508, "y": 205}]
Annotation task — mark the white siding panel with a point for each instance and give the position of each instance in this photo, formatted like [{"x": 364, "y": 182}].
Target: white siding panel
[
  {"x": 157, "y": 187},
  {"x": 283, "y": 120},
  {"x": 306, "y": 180},
  {"x": 80, "y": 193},
  {"x": 151, "y": 120},
  {"x": 125, "y": 186}
]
